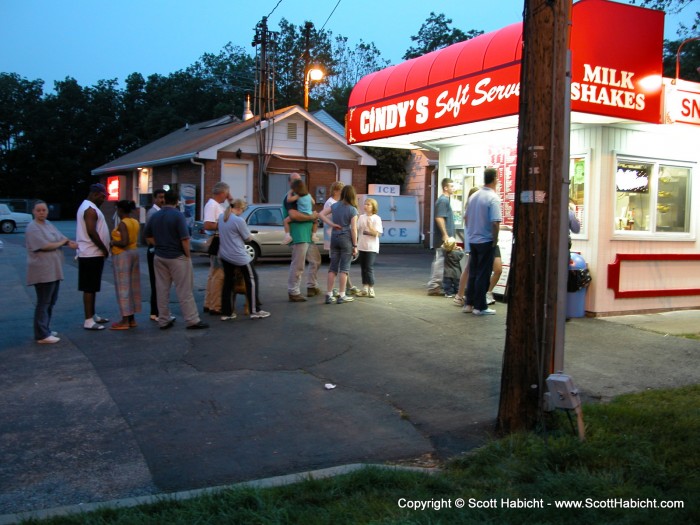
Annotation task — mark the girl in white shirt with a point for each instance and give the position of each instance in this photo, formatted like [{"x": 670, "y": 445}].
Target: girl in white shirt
[{"x": 369, "y": 228}]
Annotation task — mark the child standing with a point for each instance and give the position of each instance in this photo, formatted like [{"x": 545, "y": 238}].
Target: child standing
[
  {"x": 453, "y": 268},
  {"x": 305, "y": 204},
  {"x": 369, "y": 227}
]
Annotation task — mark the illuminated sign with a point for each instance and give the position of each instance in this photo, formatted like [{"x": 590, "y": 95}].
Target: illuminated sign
[
  {"x": 113, "y": 185},
  {"x": 616, "y": 71}
]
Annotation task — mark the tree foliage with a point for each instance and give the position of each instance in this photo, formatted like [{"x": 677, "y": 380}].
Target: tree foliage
[
  {"x": 391, "y": 165},
  {"x": 436, "y": 33},
  {"x": 674, "y": 7}
]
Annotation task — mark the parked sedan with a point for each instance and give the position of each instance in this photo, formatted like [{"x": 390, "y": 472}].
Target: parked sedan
[
  {"x": 267, "y": 231},
  {"x": 200, "y": 240},
  {"x": 11, "y": 220}
]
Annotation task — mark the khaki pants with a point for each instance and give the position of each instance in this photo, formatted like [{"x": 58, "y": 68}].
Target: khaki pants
[
  {"x": 215, "y": 284},
  {"x": 178, "y": 272},
  {"x": 301, "y": 253}
]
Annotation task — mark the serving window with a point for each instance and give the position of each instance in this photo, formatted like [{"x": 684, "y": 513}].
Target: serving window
[
  {"x": 578, "y": 176},
  {"x": 652, "y": 197}
]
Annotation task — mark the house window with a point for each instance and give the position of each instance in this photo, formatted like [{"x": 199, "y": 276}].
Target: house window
[
  {"x": 291, "y": 130},
  {"x": 652, "y": 197}
]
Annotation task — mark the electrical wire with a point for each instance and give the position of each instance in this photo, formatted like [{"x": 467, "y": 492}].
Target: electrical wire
[
  {"x": 273, "y": 9},
  {"x": 329, "y": 16}
]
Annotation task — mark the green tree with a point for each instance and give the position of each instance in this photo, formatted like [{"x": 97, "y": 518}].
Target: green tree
[
  {"x": 436, "y": 33},
  {"x": 674, "y": 7},
  {"x": 688, "y": 61},
  {"x": 391, "y": 165},
  {"x": 20, "y": 100},
  {"x": 290, "y": 62}
]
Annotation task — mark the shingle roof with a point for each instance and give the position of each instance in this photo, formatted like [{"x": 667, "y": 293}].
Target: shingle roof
[{"x": 182, "y": 144}]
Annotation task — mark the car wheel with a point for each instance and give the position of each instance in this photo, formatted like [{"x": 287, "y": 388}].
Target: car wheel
[
  {"x": 7, "y": 227},
  {"x": 254, "y": 251}
]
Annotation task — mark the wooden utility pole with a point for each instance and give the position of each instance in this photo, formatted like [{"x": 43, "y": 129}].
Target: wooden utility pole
[{"x": 542, "y": 170}]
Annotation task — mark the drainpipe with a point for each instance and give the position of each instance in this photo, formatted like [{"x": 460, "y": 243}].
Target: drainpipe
[
  {"x": 337, "y": 169},
  {"x": 201, "y": 185}
]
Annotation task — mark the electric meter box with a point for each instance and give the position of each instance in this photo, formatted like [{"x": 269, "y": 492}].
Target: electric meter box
[{"x": 563, "y": 393}]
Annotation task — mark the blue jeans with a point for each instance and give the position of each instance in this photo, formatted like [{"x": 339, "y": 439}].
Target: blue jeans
[
  {"x": 480, "y": 268},
  {"x": 367, "y": 267},
  {"x": 46, "y": 296},
  {"x": 341, "y": 254}
]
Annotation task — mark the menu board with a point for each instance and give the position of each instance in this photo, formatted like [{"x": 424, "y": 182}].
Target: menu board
[{"x": 504, "y": 159}]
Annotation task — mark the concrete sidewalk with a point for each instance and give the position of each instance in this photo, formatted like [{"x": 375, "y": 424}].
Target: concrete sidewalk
[{"x": 108, "y": 415}]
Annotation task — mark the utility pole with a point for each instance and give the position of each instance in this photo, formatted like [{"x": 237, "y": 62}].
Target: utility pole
[
  {"x": 264, "y": 99},
  {"x": 538, "y": 265}
]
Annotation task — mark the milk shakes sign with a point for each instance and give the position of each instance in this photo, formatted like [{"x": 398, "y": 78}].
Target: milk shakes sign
[
  {"x": 489, "y": 96},
  {"x": 607, "y": 86}
]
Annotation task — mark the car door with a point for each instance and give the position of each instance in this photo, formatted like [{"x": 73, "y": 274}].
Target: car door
[{"x": 267, "y": 229}]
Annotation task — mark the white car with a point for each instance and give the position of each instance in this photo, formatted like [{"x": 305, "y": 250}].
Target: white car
[{"x": 11, "y": 220}]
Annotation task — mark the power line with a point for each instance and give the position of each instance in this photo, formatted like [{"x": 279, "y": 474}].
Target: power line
[
  {"x": 273, "y": 9},
  {"x": 329, "y": 16}
]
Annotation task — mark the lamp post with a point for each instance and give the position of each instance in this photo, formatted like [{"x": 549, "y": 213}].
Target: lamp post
[
  {"x": 313, "y": 73},
  {"x": 678, "y": 56}
]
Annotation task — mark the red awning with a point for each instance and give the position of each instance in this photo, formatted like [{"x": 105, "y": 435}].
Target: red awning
[
  {"x": 485, "y": 52},
  {"x": 616, "y": 72}
]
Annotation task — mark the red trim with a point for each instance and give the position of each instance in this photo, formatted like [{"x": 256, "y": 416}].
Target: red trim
[{"x": 614, "y": 275}]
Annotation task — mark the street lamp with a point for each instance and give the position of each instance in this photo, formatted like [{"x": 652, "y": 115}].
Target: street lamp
[
  {"x": 678, "y": 56},
  {"x": 312, "y": 74}
]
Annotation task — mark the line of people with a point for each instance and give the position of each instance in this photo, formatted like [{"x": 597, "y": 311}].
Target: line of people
[{"x": 169, "y": 258}]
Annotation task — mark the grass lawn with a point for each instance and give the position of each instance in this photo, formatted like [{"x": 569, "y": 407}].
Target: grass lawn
[{"x": 641, "y": 450}]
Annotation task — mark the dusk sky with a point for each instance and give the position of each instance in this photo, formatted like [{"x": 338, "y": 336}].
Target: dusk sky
[{"x": 91, "y": 40}]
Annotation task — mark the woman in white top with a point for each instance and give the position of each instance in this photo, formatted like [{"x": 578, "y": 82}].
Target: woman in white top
[
  {"x": 44, "y": 269},
  {"x": 369, "y": 229}
]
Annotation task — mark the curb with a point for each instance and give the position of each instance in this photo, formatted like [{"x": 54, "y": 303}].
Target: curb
[{"x": 276, "y": 481}]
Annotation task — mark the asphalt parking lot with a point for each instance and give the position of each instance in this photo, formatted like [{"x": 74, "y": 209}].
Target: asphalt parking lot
[{"x": 106, "y": 415}]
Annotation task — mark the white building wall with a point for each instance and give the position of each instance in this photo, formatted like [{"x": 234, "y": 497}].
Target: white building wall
[{"x": 601, "y": 243}]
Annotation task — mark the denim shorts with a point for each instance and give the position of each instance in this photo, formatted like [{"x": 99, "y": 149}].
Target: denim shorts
[{"x": 341, "y": 254}]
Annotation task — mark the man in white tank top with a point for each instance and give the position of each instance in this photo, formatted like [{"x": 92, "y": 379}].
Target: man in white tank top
[{"x": 92, "y": 235}]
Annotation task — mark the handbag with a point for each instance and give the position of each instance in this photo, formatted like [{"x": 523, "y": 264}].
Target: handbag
[{"x": 214, "y": 246}]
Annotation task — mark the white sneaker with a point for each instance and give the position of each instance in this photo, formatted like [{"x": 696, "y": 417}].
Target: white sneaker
[
  {"x": 371, "y": 292},
  {"x": 260, "y": 314},
  {"x": 228, "y": 317},
  {"x": 287, "y": 239},
  {"x": 48, "y": 340},
  {"x": 488, "y": 311},
  {"x": 489, "y": 298},
  {"x": 467, "y": 309}
]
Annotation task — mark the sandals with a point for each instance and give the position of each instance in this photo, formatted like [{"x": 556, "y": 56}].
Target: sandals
[
  {"x": 101, "y": 320},
  {"x": 94, "y": 326}
]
